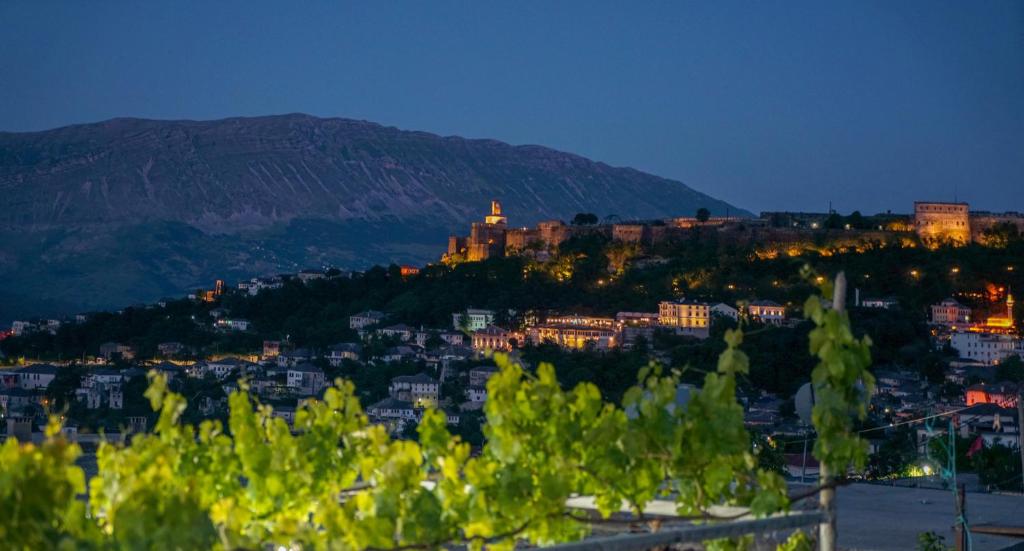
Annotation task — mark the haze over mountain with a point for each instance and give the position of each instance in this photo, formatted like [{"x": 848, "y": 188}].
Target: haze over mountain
[{"x": 126, "y": 210}]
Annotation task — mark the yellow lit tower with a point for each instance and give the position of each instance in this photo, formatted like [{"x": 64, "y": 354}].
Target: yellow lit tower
[
  {"x": 1003, "y": 322},
  {"x": 496, "y": 218},
  {"x": 1009, "y": 307}
]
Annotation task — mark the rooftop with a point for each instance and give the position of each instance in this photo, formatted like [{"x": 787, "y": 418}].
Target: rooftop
[
  {"x": 306, "y": 367},
  {"x": 419, "y": 378},
  {"x": 44, "y": 369},
  {"x": 391, "y": 403}
]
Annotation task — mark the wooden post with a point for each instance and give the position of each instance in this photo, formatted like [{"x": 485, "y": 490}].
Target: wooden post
[
  {"x": 803, "y": 469},
  {"x": 961, "y": 507},
  {"x": 827, "y": 531},
  {"x": 1020, "y": 431}
]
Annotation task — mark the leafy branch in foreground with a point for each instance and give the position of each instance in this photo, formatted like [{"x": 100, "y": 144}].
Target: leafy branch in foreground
[
  {"x": 842, "y": 385},
  {"x": 335, "y": 481}
]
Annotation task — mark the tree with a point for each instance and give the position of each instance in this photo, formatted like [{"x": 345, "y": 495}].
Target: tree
[
  {"x": 703, "y": 215},
  {"x": 834, "y": 221},
  {"x": 856, "y": 220},
  {"x": 253, "y": 481},
  {"x": 1000, "y": 235},
  {"x": 584, "y": 219},
  {"x": 1010, "y": 369}
]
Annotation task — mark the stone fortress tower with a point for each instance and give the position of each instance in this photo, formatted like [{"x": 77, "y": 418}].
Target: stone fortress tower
[{"x": 942, "y": 222}]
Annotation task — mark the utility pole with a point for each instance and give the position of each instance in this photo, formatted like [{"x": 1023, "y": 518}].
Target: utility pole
[
  {"x": 827, "y": 498},
  {"x": 961, "y": 505},
  {"x": 1020, "y": 430}
]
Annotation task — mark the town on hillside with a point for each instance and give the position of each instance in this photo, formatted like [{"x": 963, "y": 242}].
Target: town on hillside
[{"x": 968, "y": 364}]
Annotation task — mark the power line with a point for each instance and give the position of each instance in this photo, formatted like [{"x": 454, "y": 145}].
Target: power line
[{"x": 894, "y": 425}]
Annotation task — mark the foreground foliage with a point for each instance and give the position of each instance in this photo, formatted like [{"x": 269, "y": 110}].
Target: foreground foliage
[{"x": 338, "y": 482}]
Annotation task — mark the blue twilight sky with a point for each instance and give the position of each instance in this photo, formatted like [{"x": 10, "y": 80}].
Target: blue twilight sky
[{"x": 769, "y": 105}]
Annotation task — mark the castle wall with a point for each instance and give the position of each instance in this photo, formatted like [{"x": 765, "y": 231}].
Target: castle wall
[
  {"x": 942, "y": 222},
  {"x": 628, "y": 233},
  {"x": 983, "y": 221}
]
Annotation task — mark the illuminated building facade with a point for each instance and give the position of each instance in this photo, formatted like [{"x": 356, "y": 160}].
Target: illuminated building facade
[
  {"x": 637, "y": 319},
  {"x": 937, "y": 223},
  {"x": 1002, "y": 321},
  {"x": 1001, "y": 394},
  {"x": 581, "y": 321},
  {"x": 950, "y": 312},
  {"x": 767, "y": 311},
  {"x": 493, "y": 237},
  {"x": 575, "y": 337},
  {"x": 494, "y": 338},
  {"x": 487, "y": 238},
  {"x": 684, "y": 313}
]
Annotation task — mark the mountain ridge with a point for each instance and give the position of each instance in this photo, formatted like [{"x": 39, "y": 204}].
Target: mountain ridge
[{"x": 263, "y": 191}]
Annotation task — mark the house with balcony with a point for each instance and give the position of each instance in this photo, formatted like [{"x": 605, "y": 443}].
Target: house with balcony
[
  {"x": 306, "y": 379},
  {"x": 767, "y": 311},
  {"x": 365, "y": 319},
  {"x": 344, "y": 351},
  {"x": 420, "y": 389},
  {"x": 473, "y": 319}
]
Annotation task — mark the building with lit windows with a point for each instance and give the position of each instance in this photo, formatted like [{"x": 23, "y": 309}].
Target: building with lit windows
[
  {"x": 950, "y": 312},
  {"x": 684, "y": 313},
  {"x": 495, "y": 339},
  {"x": 767, "y": 311},
  {"x": 575, "y": 337}
]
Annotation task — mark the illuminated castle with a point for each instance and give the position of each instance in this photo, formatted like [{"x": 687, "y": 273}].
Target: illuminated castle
[
  {"x": 486, "y": 239},
  {"x": 938, "y": 223},
  {"x": 493, "y": 238},
  {"x": 954, "y": 223}
]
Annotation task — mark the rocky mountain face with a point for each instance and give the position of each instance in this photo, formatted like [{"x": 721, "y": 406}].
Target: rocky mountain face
[{"x": 126, "y": 210}]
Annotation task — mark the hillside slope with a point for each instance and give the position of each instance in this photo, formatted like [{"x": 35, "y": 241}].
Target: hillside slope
[{"x": 103, "y": 214}]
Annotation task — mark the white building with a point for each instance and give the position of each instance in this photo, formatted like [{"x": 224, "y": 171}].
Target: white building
[
  {"x": 19, "y": 328},
  {"x": 400, "y": 331},
  {"x": 886, "y": 303},
  {"x": 478, "y": 376},
  {"x": 228, "y": 324},
  {"x": 684, "y": 313},
  {"x": 950, "y": 312},
  {"x": 420, "y": 389},
  {"x": 365, "y": 319},
  {"x": 226, "y": 366},
  {"x": 306, "y": 276},
  {"x": 989, "y": 348},
  {"x": 476, "y": 394},
  {"x": 726, "y": 311},
  {"x": 258, "y": 284},
  {"x": 767, "y": 311},
  {"x": 391, "y": 408},
  {"x": 36, "y": 376},
  {"x": 306, "y": 378},
  {"x": 344, "y": 351},
  {"x": 493, "y": 338},
  {"x": 475, "y": 319}
]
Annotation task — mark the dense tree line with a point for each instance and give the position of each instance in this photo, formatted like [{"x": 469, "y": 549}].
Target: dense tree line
[{"x": 589, "y": 275}]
